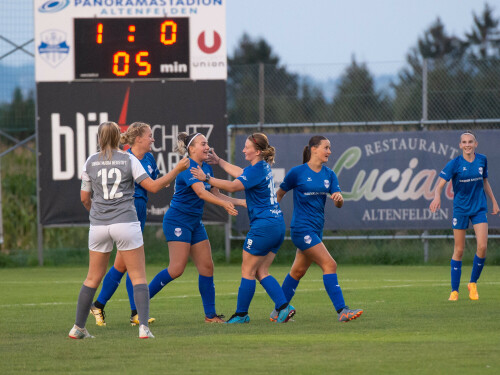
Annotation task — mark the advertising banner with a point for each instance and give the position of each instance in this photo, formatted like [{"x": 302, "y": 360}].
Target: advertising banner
[
  {"x": 387, "y": 179},
  {"x": 70, "y": 113}
]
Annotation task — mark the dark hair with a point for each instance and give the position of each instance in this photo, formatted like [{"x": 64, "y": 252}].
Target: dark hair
[
  {"x": 313, "y": 142},
  {"x": 183, "y": 140},
  {"x": 261, "y": 143}
]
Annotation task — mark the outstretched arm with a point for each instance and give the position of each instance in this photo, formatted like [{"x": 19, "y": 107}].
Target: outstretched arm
[
  {"x": 237, "y": 202},
  {"x": 199, "y": 189},
  {"x": 229, "y": 168},
  {"x": 155, "y": 186},
  {"x": 436, "y": 202},
  {"x": 489, "y": 193},
  {"x": 229, "y": 186}
]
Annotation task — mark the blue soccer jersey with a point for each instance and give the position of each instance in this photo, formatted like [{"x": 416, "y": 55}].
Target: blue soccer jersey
[
  {"x": 185, "y": 199},
  {"x": 468, "y": 187},
  {"x": 149, "y": 164},
  {"x": 310, "y": 190},
  {"x": 260, "y": 193}
]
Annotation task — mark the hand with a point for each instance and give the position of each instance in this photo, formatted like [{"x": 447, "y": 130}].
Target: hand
[
  {"x": 182, "y": 165},
  {"x": 435, "y": 204},
  {"x": 242, "y": 202},
  {"x": 338, "y": 199},
  {"x": 229, "y": 207},
  {"x": 496, "y": 209},
  {"x": 212, "y": 159},
  {"x": 198, "y": 173}
]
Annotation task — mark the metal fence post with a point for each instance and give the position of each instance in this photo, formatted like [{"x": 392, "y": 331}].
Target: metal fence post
[
  {"x": 227, "y": 226},
  {"x": 425, "y": 116}
]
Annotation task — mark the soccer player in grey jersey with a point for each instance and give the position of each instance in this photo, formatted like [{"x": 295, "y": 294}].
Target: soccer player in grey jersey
[{"x": 107, "y": 193}]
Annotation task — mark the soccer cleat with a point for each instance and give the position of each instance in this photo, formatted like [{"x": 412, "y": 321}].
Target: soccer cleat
[
  {"x": 145, "y": 333},
  {"x": 215, "y": 319},
  {"x": 284, "y": 315},
  {"x": 98, "y": 315},
  {"x": 473, "y": 291},
  {"x": 274, "y": 315},
  {"x": 347, "y": 314},
  {"x": 453, "y": 296},
  {"x": 134, "y": 320},
  {"x": 78, "y": 333},
  {"x": 238, "y": 319}
]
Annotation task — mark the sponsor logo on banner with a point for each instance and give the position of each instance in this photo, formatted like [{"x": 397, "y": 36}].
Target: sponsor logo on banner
[
  {"x": 53, "y": 6},
  {"x": 217, "y": 41},
  {"x": 53, "y": 49}
]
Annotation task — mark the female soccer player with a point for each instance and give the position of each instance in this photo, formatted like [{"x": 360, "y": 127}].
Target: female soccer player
[
  {"x": 469, "y": 175},
  {"x": 140, "y": 139},
  {"x": 312, "y": 182},
  {"x": 110, "y": 175},
  {"x": 183, "y": 228},
  {"x": 267, "y": 227}
]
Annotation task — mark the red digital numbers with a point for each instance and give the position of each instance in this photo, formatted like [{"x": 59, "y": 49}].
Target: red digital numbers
[{"x": 121, "y": 59}]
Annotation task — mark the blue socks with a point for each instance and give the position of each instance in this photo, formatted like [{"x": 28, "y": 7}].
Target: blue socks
[
  {"x": 274, "y": 290},
  {"x": 109, "y": 285},
  {"x": 456, "y": 273},
  {"x": 333, "y": 289},
  {"x": 207, "y": 290},
  {"x": 477, "y": 267},
  {"x": 245, "y": 295},
  {"x": 130, "y": 292},
  {"x": 289, "y": 286},
  {"x": 159, "y": 281}
]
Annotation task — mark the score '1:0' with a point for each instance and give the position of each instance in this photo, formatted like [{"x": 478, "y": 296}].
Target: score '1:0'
[{"x": 163, "y": 32}]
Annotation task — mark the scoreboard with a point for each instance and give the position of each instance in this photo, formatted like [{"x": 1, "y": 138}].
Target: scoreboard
[{"x": 162, "y": 62}]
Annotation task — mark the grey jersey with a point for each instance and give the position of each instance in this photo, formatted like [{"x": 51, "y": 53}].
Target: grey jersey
[{"x": 113, "y": 187}]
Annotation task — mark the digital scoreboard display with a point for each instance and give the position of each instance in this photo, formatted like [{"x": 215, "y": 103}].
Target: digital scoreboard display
[{"x": 131, "y": 48}]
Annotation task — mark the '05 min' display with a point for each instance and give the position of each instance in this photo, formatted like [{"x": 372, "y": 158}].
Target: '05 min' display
[{"x": 131, "y": 48}]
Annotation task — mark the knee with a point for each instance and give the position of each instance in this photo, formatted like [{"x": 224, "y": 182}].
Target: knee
[
  {"x": 481, "y": 250},
  {"x": 458, "y": 252},
  {"x": 207, "y": 269},
  {"x": 259, "y": 275},
  {"x": 329, "y": 267},
  {"x": 298, "y": 272},
  {"x": 175, "y": 272}
]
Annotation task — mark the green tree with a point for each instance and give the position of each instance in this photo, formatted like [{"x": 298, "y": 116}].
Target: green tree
[
  {"x": 19, "y": 115},
  {"x": 356, "y": 98}
]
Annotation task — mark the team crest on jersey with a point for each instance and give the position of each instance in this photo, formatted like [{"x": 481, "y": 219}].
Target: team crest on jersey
[
  {"x": 150, "y": 170},
  {"x": 481, "y": 171},
  {"x": 178, "y": 232},
  {"x": 454, "y": 221},
  {"x": 307, "y": 239},
  {"x": 309, "y": 179},
  {"x": 327, "y": 184}
]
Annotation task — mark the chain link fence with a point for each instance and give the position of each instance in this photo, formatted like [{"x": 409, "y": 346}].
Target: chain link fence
[{"x": 430, "y": 90}]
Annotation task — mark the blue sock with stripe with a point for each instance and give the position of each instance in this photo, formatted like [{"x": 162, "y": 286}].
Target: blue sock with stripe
[
  {"x": 207, "y": 290},
  {"x": 289, "y": 286},
  {"x": 456, "y": 273},
  {"x": 273, "y": 289},
  {"x": 130, "y": 292},
  {"x": 334, "y": 292},
  {"x": 477, "y": 267},
  {"x": 109, "y": 285},
  {"x": 159, "y": 281},
  {"x": 245, "y": 295}
]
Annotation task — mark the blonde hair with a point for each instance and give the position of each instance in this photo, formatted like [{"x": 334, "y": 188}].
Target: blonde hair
[
  {"x": 136, "y": 129},
  {"x": 108, "y": 135},
  {"x": 260, "y": 142},
  {"x": 184, "y": 141}
]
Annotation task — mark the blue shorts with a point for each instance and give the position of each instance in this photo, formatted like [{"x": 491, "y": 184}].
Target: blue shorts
[
  {"x": 462, "y": 221},
  {"x": 262, "y": 241},
  {"x": 183, "y": 228},
  {"x": 306, "y": 239},
  {"x": 141, "y": 206}
]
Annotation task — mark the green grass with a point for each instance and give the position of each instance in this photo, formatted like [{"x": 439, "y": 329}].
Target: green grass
[{"x": 408, "y": 326}]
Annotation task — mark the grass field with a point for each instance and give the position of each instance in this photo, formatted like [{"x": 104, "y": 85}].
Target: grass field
[{"x": 408, "y": 326}]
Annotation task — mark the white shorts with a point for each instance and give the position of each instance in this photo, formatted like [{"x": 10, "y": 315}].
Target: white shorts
[{"x": 127, "y": 236}]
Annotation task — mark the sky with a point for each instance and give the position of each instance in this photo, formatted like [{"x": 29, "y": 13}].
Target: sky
[{"x": 318, "y": 37}]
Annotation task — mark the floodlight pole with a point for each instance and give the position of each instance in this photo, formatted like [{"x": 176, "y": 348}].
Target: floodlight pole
[{"x": 425, "y": 116}]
